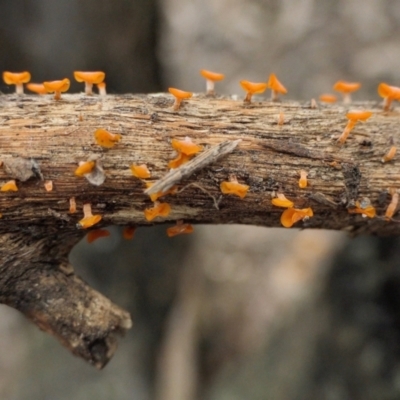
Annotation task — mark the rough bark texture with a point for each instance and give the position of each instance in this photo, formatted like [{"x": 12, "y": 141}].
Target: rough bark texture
[{"x": 37, "y": 231}]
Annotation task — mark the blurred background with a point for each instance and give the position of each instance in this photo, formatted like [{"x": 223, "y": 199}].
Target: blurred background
[{"x": 230, "y": 312}]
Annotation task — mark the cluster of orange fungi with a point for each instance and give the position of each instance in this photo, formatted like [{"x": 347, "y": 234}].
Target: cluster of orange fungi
[{"x": 186, "y": 149}]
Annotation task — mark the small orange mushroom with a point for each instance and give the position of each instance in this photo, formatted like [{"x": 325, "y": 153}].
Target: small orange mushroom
[
  {"x": 179, "y": 96},
  {"x": 18, "y": 79},
  {"x": 36, "y": 88},
  {"x": 234, "y": 187},
  {"x": 128, "y": 232},
  {"x": 9, "y": 186},
  {"x": 353, "y": 117},
  {"x": 292, "y": 215},
  {"x": 57, "y": 87},
  {"x": 366, "y": 209},
  {"x": 346, "y": 88},
  {"x": 252, "y": 88},
  {"x": 328, "y": 98},
  {"x": 389, "y": 155},
  {"x": 90, "y": 78},
  {"x": 48, "y": 185},
  {"x": 186, "y": 146},
  {"x": 282, "y": 201},
  {"x": 303, "y": 179},
  {"x": 85, "y": 167},
  {"x": 389, "y": 93},
  {"x": 179, "y": 229},
  {"x": 211, "y": 78},
  {"x": 158, "y": 210},
  {"x": 101, "y": 87},
  {"x": 106, "y": 139},
  {"x": 140, "y": 171},
  {"x": 392, "y": 207},
  {"x": 155, "y": 196},
  {"x": 179, "y": 160},
  {"x": 276, "y": 86},
  {"x": 72, "y": 205},
  {"x": 97, "y": 234},
  {"x": 88, "y": 219}
]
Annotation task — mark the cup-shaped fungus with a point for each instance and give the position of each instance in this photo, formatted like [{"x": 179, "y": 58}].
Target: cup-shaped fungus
[
  {"x": 18, "y": 79},
  {"x": 389, "y": 93},
  {"x": 346, "y": 88},
  {"x": 88, "y": 219},
  {"x": 90, "y": 78},
  {"x": 140, "y": 171},
  {"x": 97, "y": 234},
  {"x": 292, "y": 215},
  {"x": 234, "y": 187},
  {"x": 179, "y": 229},
  {"x": 158, "y": 210},
  {"x": 366, "y": 210},
  {"x": 85, "y": 167},
  {"x": 155, "y": 196},
  {"x": 128, "y": 232},
  {"x": 252, "y": 88},
  {"x": 106, "y": 139},
  {"x": 57, "y": 87},
  {"x": 9, "y": 186},
  {"x": 392, "y": 207},
  {"x": 328, "y": 98},
  {"x": 179, "y": 160},
  {"x": 37, "y": 88},
  {"x": 211, "y": 78},
  {"x": 303, "y": 179},
  {"x": 282, "y": 201},
  {"x": 186, "y": 146},
  {"x": 179, "y": 96},
  {"x": 353, "y": 117},
  {"x": 276, "y": 87},
  {"x": 101, "y": 87}
]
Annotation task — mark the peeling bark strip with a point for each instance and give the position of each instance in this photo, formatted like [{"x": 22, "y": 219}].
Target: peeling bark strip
[{"x": 51, "y": 138}]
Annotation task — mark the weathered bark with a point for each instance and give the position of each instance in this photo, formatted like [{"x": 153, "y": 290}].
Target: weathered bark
[{"x": 38, "y": 231}]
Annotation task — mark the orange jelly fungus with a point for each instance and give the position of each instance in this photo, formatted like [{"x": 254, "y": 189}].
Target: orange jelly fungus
[
  {"x": 292, "y": 215},
  {"x": 179, "y": 229},
  {"x": 367, "y": 211},
  {"x": 128, "y": 232},
  {"x": 9, "y": 186},
  {"x": 389, "y": 155},
  {"x": 211, "y": 78},
  {"x": 328, "y": 98},
  {"x": 282, "y": 201},
  {"x": 18, "y": 79},
  {"x": 252, "y": 88},
  {"x": 235, "y": 188},
  {"x": 88, "y": 219},
  {"x": 84, "y": 168},
  {"x": 37, "y": 88},
  {"x": 276, "y": 86},
  {"x": 353, "y": 117},
  {"x": 72, "y": 205},
  {"x": 389, "y": 93},
  {"x": 106, "y": 139},
  {"x": 48, "y": 185},
  {"x": 392, "y": 207},
  {"x": 140, "y": 171},
  {"x": 179, "y": 160},
  {"x": 57, "y": 87},
  {"x": 155, "y": 196},
  {"x": 303, "y": 179},
  {"x": 186, "y": 146},
  {"x": 179, "y": 96},
  {"x": 97, "y": 234},
  {"x": 159, "y": 210},
  {"x": 90, "y": 78},
  {"x": 346, "y": 88}
]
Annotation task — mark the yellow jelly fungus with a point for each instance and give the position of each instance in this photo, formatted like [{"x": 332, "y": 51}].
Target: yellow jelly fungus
[
  {"x": 159, "y": 210},
  {"x": 234, "y": 188},
  {"x": 106, "y": 139},
  {"x": 292, "y": 215},
  {"x": 282, "y": 201},
  {"x": 155, "y": 196},
  {"x": 140, "y": 171},
  {"x": 179, "y": 229},
  {"x": 9, "y": 186},
  {"x": 186, "y": 146},
  {"x": 368, "y": 211},
  {"x": 85, "y": 168},
  {"x": 178, "y": 161},
  {"x": 89, "y": 219}
]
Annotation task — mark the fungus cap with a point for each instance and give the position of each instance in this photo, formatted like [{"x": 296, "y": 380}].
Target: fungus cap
[
  {"x": 9, "y": 186},
  {"x": 159, "y": 210},
  {"x": 274, "y": 84},
  {"x": 87, "y": 222},
  {"x": 292, "y": 215},
  {"x": 36, "y": 88},
  {"x": 57, "y": 86},
  {"x": 234, "y": 188},
  {"x": 356, "y": 115},
  {"x": 85, "y": 168},
  {"x": 346, "y": 87},
  {"x": 106, "y": 139},
  {"x": 93, "y": 77},
  {"x": 180, "y": 94},
  {"x": 16, "y": 78},
  {"x": 328, "y": 98},
  {"x": 253, "y": 87},
  {"x": 186, "y": 146},
  {"x": 212, "y": 76},
  {"x": 179, "y": 229},
  {"x": 140, "y": 171},
  {"x": 179, "y": 160}
]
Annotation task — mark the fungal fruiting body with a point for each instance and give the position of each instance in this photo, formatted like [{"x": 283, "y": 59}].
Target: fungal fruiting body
[
  {"x": 128, "y": 232},
  {"x": 158, "y": 210},
  {"x": 303, "y": 179},
  {"x": 97, "y": 234},
  {"x": 389, "y": 155},
  {"x": 18, "y": 79},
  {"x": 392, "y": 207},
  {"x": 179, "y": 160},
  {"x": 140, "y": 171},
  {"x": 72, "y": 205},
  {"x": 234, "y": 187},
  {"x": 179, "y": 229},
  {"x": 48, "y": 185},
  {"x": 292, "y": 215},
  {"x": 9, "y": 186},
  {"x": 155, "y": 196},
  {"x": 389, "y": 93},
  {"x": 106, "y": 139},
  {"x": 88, "y": 219},
  {"x": 85, "y": 167},
  {"x": 101, "y": 87},
  {"x": 346, "y": 88},
  {"x": 90, "y": 78},
  {"x": 353, "y": 117},
  {"x": 186, "y": 146},
  {"x": 366, "y": 209},
  {"x": 57, "y": 87},
  {"x": 328, "y": 98},
  {"x": 276, "y": 87},
  {"x": 282, "y": 201},
  {"x": 179, "y": 96},
  {"x": 252, "y": 88},
  {"x": 37, "y": 88},
  {"x": 211, "y": 78}
]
